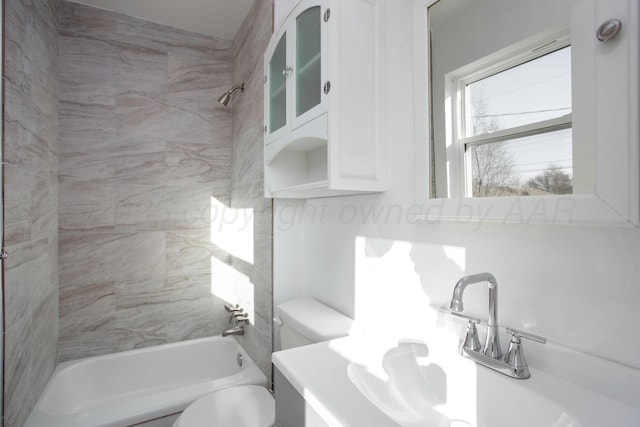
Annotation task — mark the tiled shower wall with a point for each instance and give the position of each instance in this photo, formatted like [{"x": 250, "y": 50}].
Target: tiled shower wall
[
  {"x": 144, "y": 147},
  {"x": 247, "y": 179},
  {"x": 30, "y": 152}
]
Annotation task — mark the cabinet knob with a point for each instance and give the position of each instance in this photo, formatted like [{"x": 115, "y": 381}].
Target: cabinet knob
[
  {"x": 287, "y": 71},
  {"x": 608, "y": 30},
  {"x": 327, "y": 87}
]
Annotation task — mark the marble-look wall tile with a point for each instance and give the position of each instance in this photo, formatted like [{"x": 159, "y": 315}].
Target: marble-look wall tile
[
  {"x": 29, "y": 149},
  {"x": 90, "y": 257},
  {"x": 190, "y": 252},
  {"x": 86, "y": 204},
  {"x": 28, "y": 278},
  {"x": 86, "y": 60},
  {"x": 17, "y": 67},
  {"x": 140, "y": 70},
  {"x": 249, "y": 111},
  {"x": 247, "y": 179},
  {"x": 18, "y": 366},
  {"x": 18, "y": 184},
  {"x": 137, "y": 160},
  {"x": 248, "y": 147},
  {"x": 196, "y": 120},
  {"x": 30, "y": 157},
  {"x": 142, "y": 116},
  {"x": 78, "y": 20},
  {"x": 143, "y": 149},
  {"x": 252, "y": 38},
  {"x": 85, "y": 308},
  {"x": 188, "y": 163}
]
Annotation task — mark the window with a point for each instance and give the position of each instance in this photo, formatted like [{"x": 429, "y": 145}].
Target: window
[{"x": 511, "y": 124}]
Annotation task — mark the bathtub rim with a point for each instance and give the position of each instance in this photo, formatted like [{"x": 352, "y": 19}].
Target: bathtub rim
[{"x": 250, "y": 374}]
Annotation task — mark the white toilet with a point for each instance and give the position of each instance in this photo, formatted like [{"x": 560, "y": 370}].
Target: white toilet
[{"x": 302, "y": 321}]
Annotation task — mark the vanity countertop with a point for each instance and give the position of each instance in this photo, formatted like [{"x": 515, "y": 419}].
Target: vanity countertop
[
  {"x": 319, "y": 372},
  {"x": 378, "y": 381}
]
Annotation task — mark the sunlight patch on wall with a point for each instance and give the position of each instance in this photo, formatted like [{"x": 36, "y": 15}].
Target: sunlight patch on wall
[
  {"x": 231, "y": 286},
  {"x": 456, "y": 255},
  {"x": 397, "y": 283},
  {"x": 385, "y": 282},
  {"x": 232, "y": 230}
]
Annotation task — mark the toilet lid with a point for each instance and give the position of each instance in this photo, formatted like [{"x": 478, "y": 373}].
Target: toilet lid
[{"x": 241, "y": 406}]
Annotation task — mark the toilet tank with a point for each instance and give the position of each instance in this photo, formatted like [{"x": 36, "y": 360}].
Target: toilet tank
[{"x": 307, "y": 321}]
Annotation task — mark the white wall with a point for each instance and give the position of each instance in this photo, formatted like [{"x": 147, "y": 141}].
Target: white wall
[{"x": 577, "y": 286}]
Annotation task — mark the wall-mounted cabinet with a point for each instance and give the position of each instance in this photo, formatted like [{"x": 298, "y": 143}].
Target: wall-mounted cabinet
[{"x": 324, "y": 96}]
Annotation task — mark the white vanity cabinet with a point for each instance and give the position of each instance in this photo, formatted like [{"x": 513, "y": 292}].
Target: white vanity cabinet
[{"x": 324, "y": 97}]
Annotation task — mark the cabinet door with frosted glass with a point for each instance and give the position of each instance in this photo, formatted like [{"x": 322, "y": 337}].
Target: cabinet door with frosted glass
[
  {"x": 309, "y": 86},
  {"x": 276, "y": 102}
]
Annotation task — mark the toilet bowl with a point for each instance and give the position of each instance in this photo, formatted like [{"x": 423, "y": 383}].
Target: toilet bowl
[
  {"x": 303, "y": 321},
  {"x": 241, "y": 406}
]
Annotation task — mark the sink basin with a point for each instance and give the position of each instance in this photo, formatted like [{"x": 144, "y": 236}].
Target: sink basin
[
  {"x": 383, "y": 381},
  {"x": 417, "y": 392},
  {"x": 418, "y": 383},
  {"x": 407, "y": 390}
]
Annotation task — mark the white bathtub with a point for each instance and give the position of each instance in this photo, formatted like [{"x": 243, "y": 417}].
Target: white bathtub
[{"x": 138, "y": 386}]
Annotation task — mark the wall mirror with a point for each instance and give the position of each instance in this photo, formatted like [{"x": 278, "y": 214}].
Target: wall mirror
[{"x": 528, "y": 116}]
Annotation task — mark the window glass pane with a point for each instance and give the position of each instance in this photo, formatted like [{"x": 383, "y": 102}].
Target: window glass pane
[
  {"x": 277, "y": 86},
  {"x": 308, "y": 77},
  {"x": 534, "y": 165},
  {"x": 527, "y": 93}
]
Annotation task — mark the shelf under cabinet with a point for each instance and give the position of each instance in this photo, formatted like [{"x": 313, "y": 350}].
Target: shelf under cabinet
[
  {"x": 307, "y": 137},
  {"x": 312, "y": 190}
]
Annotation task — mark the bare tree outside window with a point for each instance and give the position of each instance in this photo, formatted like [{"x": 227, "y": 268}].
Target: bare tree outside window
[
  {"x": 493, "y": 171},
  {"x": 553, "y": 180},
  {"x": 493, "y": 168}
]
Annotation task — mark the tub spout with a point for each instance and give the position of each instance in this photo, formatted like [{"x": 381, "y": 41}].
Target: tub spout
[{"x": 236, "y": 330}]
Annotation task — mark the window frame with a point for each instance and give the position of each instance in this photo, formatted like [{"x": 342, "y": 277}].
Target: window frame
[{"x": 456, "y": 84}]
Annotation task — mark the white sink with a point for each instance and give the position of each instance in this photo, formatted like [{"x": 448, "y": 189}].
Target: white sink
[
  {"x": 415, "y": 385},
  {"x": 417, "y": 391},
  {"x": 423, "y": 381}
]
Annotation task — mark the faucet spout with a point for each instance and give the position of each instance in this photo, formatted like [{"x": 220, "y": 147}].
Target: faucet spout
[
  {"x": 237, "y": 330},
  {"x": 492, "y": 344}
]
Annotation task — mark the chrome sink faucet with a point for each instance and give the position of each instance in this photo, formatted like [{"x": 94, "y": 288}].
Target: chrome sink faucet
[
  {"x": 514, "y": 364},
  {"x": 492, "y": 342}
]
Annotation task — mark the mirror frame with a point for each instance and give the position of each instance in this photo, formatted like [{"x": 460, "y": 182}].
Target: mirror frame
[{"x": 615, "y": 137}]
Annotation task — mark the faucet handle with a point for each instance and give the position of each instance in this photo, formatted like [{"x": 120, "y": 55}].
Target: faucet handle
[
  {"x": 516, "y": 335},
  {"x": 471, "y": 341},
  {"x": 469, "y": 318},
  {"x": 232, "y": 309},
  {"x": 240, "y": 319},
  {"x": 515, "y": 355}
]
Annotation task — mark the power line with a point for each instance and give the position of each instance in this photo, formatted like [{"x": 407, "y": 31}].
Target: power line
[{"x": 520, "y": 113}]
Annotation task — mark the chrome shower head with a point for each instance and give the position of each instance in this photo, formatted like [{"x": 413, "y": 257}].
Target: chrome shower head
[{"x": 226, "y": 97}]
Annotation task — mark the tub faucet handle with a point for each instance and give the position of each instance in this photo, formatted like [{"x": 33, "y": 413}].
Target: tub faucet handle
[
  {"x": 237, "y": 315},
  {"x": 232, "y": 309},
  {"x": 240, "y": 319}
]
